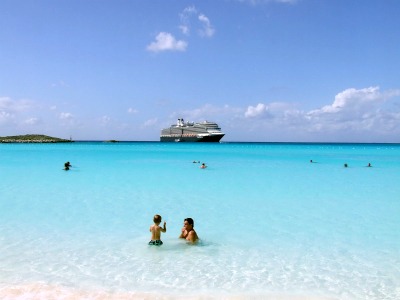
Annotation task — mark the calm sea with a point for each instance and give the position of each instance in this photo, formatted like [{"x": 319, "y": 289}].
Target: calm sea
[{"x": 271, "y": 223}]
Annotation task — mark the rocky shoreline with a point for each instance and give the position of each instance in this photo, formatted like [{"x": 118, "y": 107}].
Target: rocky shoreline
[{"x": 32, "y": 138}]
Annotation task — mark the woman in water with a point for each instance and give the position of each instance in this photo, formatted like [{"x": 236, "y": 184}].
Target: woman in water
[{"x": 188, "y": 232}]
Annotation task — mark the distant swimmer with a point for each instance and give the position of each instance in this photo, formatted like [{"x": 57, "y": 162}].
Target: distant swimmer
[
  {"x": 203, "y": 166},
  {"x": 345, "y": 165},
  {"x": 67, "y": 165},
  {"x": 369, "y": 165}
]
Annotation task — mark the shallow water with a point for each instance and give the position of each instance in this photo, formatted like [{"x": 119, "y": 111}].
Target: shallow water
[{"x": 271, "y": 223}]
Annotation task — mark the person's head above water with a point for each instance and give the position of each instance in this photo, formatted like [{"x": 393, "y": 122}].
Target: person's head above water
[
  {"x": 157, "y": 219},
  {"x": 188, "y": 231},
  {"x": 188, "y": 221}
]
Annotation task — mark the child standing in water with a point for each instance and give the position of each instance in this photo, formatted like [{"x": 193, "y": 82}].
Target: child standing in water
[{"x": 156, "y": 230}]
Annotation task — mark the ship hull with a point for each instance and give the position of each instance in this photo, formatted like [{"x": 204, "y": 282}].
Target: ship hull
[{"x": 192, "y": 139}]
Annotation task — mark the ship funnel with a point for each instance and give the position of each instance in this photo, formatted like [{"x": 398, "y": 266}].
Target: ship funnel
[{"x": 180, "y": 122}]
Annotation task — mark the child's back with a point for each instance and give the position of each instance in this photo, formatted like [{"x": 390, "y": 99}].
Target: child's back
[{"x": 156, "y": 230}]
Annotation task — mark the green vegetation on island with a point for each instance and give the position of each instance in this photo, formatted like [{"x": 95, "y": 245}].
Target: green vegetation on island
[
  {"x": 32, "y": 138},
  {"x": 111, "y": 141}
]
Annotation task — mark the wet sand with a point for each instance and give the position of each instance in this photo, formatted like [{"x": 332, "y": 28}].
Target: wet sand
[{"x": 40, "y": 291}]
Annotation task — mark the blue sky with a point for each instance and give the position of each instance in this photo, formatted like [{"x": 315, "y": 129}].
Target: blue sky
[{"x": 264, "y": 70}]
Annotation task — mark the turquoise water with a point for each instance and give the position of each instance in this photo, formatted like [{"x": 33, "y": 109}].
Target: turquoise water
[{"x": 271, "y": 223}]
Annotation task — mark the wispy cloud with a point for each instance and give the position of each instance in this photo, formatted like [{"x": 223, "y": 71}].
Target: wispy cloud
[
  {"x": 167, "y": 42},
  {"x": 60, "y": 84},
  {"x": 132, "y": 110},
  {"x": 352, "y": 112},
  {"x": 8, "y": 104},
  {"x": 32, "y": 121},
  {"x": 365, "y": 114},
  {"x": 202, "y": 23},
  {"x": 105, "y": 120},
  {"x": 356, "y": 109},
  {"x": 357, "y": 100},
  {"x": 66, "y": 116},
  {"x": 10, "y": 109},
  {"x": 5, "y": 117},
  {"x": 207, "y": 30},
  {"x": 67, "y": 119},
  {"x": 185, "y": 17}
]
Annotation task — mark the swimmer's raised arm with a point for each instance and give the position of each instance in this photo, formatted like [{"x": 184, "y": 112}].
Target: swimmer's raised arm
[
  {"x": 164, "y": 229},
  {"x": 182, "y": 236}
]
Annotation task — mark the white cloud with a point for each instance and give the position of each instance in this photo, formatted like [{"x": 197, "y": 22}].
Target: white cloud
[
  {"x": 207, "y": 30},
  {"x": 60, "y": 83},
  {"x": 368, "y": 114},
  {"x": 66, "y": 116},
  {"x": 10, "y": 109},
  {"x": 355, "y": 109},
  {"x": 353, "y": 113},
  {"x": 185, "y": 19},
  {"x": 256, "y": 111},
  {"x": 353, "y": 100},
  {"x": 190, "y": 10},
  {"x": 68, "y": 119},
  {"x": 185, "y": 29},
  {"x": 5, "y": 117},
  {"x": 5, "y": 102},
  {"x": 105, "y": 120},
  {"x": 8, "y": 104},
  {"x": 132, "y": 110},
  {"x": 32, "y": 121},
  {"x": 166, "y": 42}
]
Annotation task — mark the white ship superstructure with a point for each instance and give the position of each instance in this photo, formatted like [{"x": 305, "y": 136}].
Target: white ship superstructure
[{"x": 192, "y": 132}]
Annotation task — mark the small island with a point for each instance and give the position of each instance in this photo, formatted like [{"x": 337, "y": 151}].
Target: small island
[
  {"x": 111, "y": 141},
  {"x": 32, "y": 138}
]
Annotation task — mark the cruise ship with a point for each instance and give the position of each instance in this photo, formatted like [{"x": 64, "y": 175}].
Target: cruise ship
[{"x": 192, "y": 132}]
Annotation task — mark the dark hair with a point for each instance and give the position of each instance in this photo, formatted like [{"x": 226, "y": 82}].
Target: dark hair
[
  {"x": 157, "y": 219},
  {"x": 190, "y": 221}
]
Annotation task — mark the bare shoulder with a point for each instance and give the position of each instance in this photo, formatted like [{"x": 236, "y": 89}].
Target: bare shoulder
[{"x": 192, "y": 236}]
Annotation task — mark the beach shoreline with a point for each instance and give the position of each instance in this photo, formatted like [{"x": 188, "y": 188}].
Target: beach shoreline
[{"x": 41, "y": 290}]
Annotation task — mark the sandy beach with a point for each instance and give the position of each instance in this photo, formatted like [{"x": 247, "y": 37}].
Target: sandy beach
[{"x": 40, "y": 291}]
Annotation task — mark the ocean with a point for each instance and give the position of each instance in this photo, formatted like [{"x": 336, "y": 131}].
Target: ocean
[{"x": 272, "y": 224}]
